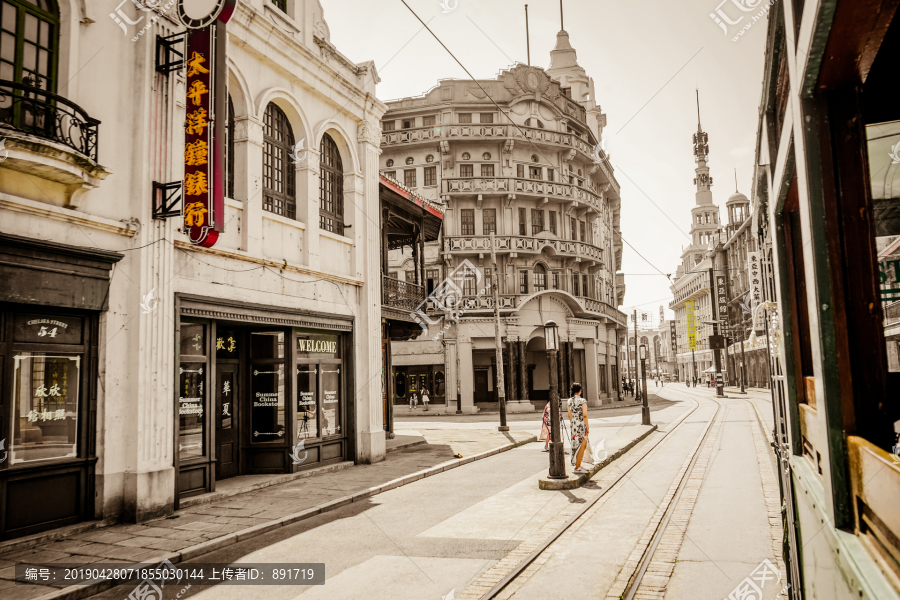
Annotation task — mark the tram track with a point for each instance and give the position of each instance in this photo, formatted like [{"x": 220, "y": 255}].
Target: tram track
[{"x": 613, "y": 485}]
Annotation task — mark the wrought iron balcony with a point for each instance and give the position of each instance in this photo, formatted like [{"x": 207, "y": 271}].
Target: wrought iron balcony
[
  {"x": 43, "y": 114},
  {"x": 401, "y": 295}
]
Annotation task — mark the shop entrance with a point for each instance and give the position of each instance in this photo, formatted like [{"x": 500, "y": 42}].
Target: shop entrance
[{"x": 228, "y": 393}]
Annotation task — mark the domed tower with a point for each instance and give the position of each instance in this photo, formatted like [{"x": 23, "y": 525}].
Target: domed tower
[{"x": 738, "y": 209}]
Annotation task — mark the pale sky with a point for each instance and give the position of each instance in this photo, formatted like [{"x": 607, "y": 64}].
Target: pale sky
[{"x": 640, "y": 57}]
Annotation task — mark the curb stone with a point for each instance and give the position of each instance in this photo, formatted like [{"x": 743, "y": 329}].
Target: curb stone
[
  {"x": 570, "y": 484},
  {"x": 90, "y": 588}
]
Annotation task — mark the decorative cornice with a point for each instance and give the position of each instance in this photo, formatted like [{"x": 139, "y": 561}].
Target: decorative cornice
[{"x": 65, "y": 215}]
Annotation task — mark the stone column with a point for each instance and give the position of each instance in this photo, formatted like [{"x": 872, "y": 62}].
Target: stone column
[
  {"x": 591, "y": 375},
  {"x": 366, "y": 233},
  {"x": 523, "y": 372},
  {"x": 513, "y": 373},
  {"x": 450, "y": 370},
  {"x": 467, "y": 375},
  {"x": 248, "y": 181}
]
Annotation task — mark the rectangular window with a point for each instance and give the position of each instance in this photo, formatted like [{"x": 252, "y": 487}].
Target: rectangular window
[
  {"x": 267, "y": 386},
  {"x": 409, "y": 178},
  {"x": 468, "y": 287},
  {"x": 465, "y": 117},
  {"x": 576, "y": 291},
  {"x": 488, "y": 282},
  {"x": 466, "y": 171},
  {"x": 467, "y": 221},
  {"x": 573, "y": 223},
  {"x": 554, "y": 277},
  {"x": 553, "y": 222},
  {"x": 428, "y": 121},
  {"x": 281, "y": 4},
  {"x": 486, "y": 118},
  {"x": 581, "y": 230},
  {"x": 431, "y": 279},
  {"x": 523, "y": 282},
  {"x": 487, "y": 170},
  {"x": 430, "y": 176},
  {"x": 409, "y": 123},
  {"x": 522, "y": 221},
  {"x": 410, "y": 277},
  {"x": 520, "y": 171},
  {"x": 307, "y": 419},
  {"x": 550, "y": 175},
  {"x": 192, "y": 391},
  {"x": 330, "y": 379},
  {"x": 584, "y": 285},
  {"x": 537, "y": 221},
  {"x": 489, "y": 221},
  {"x": 45, "y": 406},
  {"x": 387, "y": 125},
  {"x": 391, "y": 174},
  {"x": 535, "y": 173},
  {"x": 540, "y": 279}
]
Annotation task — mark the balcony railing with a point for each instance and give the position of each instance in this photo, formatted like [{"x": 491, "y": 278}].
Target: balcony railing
[
  {"x": 495, "y": 132},
  {"x": 511, "y": 243},
  {"x": 599, "y": 307},
  {"x": 401, "y": 295},
  {"x": 529, "y": 187},
  {"x": 47, "y": 115}
]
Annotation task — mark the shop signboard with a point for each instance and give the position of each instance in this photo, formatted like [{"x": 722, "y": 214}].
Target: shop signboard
[
  {"x": 691, "y": 325},
  {"x": 206, "y": 95},
  {"x": 672, "y": 337}
]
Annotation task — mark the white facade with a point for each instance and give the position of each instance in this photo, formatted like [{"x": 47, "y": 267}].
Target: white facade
[{"x": 269, "y": 261}]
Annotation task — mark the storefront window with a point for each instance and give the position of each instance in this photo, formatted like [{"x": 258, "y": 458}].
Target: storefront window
[
  {"x": 331, "y": 400},
  {"x": 267, "y": 386},
  {"x": 884, "y": 168},
  {"x": 45, "y": 406},
  {"x": 439, "y": 384},
  {"x": 400, "y": 385},
  {"x": 307, "y": 425},
  {"x": 192, "y": 391}
]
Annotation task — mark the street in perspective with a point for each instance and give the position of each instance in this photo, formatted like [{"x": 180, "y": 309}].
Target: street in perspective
[{"x": 449, "y": 300}]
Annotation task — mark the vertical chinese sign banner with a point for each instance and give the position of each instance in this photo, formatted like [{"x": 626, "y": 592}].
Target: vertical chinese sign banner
[
  {"x": 755, "y": 279},
  {"x": 203, "y": 191},
  {"x": 721, "y": 301},
  {"x": 673, "y": 338},
  {"x": 691, "y": 325}
]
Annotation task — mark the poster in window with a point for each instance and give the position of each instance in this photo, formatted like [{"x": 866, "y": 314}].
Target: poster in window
[
  {"x": 267, "y": 412},
  {"x": 331, "y": 399},
  {"x": 191, "y": 407},
  {"x": 45, "y": 406},
  {"x": 307, "y": 425}
]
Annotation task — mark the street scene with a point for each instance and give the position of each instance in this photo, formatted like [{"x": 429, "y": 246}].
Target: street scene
[{"x": 444, "y": 299}]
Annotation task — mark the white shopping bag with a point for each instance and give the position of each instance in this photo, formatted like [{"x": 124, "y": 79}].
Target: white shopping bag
[{"x": 598, "y": 451}]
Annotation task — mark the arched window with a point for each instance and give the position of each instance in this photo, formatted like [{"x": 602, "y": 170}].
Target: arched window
[
  {"x": 229, "y": 151},
  {"x": 331, "y": 187},
  {"x": 540, "y": 278},
  {"x": 30, "y": 35},
  {"x": 278, "y": 171}
]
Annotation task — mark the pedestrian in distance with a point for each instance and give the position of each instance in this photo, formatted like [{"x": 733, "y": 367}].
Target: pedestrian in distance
[
  {"x": 577, "y": 408},
  {"x": 545, "y": 425},
  {"x": 413, "y": 400},
  {"x": 425, "y": 398}
]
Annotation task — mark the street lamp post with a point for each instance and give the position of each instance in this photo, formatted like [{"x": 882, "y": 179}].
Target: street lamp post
[
  {"x": 645, "y": 409},
  {"x": 557, "y": 455},
  {"x": 743, "y": 372}
]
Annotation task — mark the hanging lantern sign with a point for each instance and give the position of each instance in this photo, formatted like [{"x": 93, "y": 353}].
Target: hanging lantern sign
[{"x": 203, "y": 188}]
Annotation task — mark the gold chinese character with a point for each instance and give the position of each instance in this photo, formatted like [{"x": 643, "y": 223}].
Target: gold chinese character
[
  {"x": 220, "y": 344},
  {"x": 195, "y": 65},
  {"x": 195, "y": 122},
  {"x": 195, "y": 154},
  {"x": 195, "y": 184},
  {"x": 196, "y": 91},
  {"x": 193, "y": 214}
]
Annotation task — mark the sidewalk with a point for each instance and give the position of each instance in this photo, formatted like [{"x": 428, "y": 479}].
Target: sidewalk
[{"x": 200, "y": 529}]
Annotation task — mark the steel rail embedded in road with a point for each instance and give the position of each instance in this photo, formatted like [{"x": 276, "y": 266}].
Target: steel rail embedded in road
[
  {"x": 512, "y": 575},
  {"x": 638, "y": 575}
]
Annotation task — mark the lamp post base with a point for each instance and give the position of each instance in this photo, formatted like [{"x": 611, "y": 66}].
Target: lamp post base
[
  {"x": 557, "y": 461},
  {"x": 503, "y": 428},
  {"x": 645, "y": 415}
]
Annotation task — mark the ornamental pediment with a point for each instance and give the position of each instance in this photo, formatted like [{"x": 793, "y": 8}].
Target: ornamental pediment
[{"x": 525, "y": 79}]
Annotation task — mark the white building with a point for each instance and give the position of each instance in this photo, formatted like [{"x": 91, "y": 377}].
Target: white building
[
  {"x": 516, "y": 156},
  {"x": 164, "y": 366}
]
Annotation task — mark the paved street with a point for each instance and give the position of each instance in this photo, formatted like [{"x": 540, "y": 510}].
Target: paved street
[{"x": 457, "y": 530}]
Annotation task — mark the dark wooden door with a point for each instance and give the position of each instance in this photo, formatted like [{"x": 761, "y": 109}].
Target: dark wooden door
[
  {"x": 227, "y": 440},
  {"x": 481, "y": 386}
]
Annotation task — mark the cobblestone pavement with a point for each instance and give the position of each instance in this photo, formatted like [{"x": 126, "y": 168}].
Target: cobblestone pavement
[{"x": 154, "y": 540}]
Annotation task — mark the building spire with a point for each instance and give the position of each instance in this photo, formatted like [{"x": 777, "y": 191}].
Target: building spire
[
  {"x": 561, "y": 27},
  {"x": 735, "y": 181},
  {"x": 698, "y": 105}
]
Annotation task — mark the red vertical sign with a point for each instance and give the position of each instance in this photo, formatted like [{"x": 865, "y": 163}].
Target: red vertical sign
[{"x": 203, "y": 189}]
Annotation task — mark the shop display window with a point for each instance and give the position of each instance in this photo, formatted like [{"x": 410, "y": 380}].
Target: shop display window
[{"x": 192, "y": 374}]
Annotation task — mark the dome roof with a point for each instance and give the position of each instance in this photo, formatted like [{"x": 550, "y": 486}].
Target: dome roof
[{"x": 737, "y": 197}]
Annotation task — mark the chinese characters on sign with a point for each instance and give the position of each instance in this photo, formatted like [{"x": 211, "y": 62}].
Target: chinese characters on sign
[
  {"x": 203, "y": 186},
  {"x": 755, "y": 272},
  {"x": 673, "y": 338},
  {"x": 691, "y": 325}
]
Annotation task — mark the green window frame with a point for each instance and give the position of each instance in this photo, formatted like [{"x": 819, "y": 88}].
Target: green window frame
[{"x": 29, "y": 42}]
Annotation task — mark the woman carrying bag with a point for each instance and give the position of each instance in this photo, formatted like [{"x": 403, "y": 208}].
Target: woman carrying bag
[
  {"x": 577, "y": 407},
  {"x": 545, "y": 426}
]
